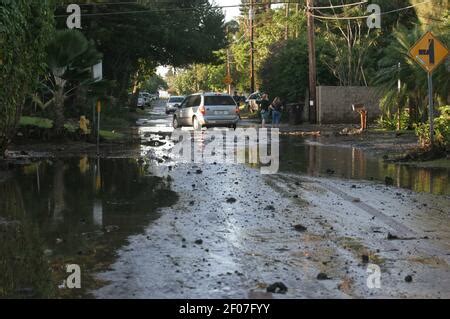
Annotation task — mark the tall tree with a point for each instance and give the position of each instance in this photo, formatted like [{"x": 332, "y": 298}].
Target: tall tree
[
  {"x": 70, "y": 57},
  {"x": 25, "y": 29},
  {"x": 135, "y": 38}
]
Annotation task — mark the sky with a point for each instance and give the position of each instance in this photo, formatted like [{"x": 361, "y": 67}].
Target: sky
[{"x": 230, "y": 13}]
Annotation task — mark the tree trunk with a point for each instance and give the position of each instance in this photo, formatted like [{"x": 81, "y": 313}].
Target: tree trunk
[
  {"x": 412, "y": 114},
  {"x": 3, "y": 145},
  {"x": 58, "y": 122}
]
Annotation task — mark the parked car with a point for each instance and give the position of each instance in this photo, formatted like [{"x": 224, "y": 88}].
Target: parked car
[
  {"x": 252, "y": 101},
  {"x": 173, "y": 102},
  {"x": 147, "y": 98},
  {"x": 207, "y": 110},
  {"x": 141, "y": 102}
]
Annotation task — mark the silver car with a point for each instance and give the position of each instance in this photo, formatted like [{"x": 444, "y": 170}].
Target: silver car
[
  {"x": 173, "y": 103},
  {"x": 207, "y": 110}
]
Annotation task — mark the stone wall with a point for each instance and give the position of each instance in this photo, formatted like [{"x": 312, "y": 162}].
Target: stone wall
[{"x": 334, "y": 104}]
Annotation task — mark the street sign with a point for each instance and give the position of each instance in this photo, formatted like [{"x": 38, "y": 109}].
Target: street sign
[
  {"x": 429, "y": 52},
  {"x": 228, "y": 80}
]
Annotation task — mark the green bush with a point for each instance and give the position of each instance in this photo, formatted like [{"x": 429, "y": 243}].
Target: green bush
[
  {"x": 441, "y": 130},
  {"x": 390, "y": 121},
  {"x": 25, "y": 28}
]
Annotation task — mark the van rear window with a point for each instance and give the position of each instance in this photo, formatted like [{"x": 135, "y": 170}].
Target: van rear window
[
  {"x": 176, "y": 99},
  {"x": 219, "y": 100}
]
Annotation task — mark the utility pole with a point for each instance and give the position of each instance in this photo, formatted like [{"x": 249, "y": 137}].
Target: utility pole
[
  {"x": 252, "y": 49},
  {"x": 399, "y": 107},
  {"x": 286, "y": 31},
  {"x": 228, "y": 71},
  {"x": 312, "y": 63}
]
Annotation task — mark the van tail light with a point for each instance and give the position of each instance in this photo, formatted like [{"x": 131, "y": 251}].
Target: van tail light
[{"x": 202, "y": 109}]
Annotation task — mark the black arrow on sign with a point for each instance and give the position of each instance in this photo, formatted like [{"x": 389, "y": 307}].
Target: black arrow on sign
[{"x": 429, "y": 52}]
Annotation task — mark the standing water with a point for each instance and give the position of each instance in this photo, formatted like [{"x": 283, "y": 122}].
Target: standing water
[
  {"x": 299, "y": 156},
  {"x": 76, "y": 211}
]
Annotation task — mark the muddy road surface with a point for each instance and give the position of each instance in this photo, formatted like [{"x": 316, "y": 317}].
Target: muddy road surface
[
  {"x": 235, "y": 232},
  {"x": 144, "y": 222}
]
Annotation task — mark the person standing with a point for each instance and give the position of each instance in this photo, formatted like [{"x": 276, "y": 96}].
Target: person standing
[
  {"x": 265, "y": 111},
  {"x": 276, "y": 111},
  {"x": 236, "y": 98}
]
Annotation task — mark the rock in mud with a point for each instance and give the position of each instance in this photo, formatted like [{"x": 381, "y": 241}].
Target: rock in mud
[
  {"x": 269, "y": 207},
  {"x": 111, "y": 228},
  {"x": 365, "y": 259},
  {"x": 198, "y": 242},
  {"x": 199, "y": 171},
  {"x": 392, "y": 237},
  {"x": 408, "y": 278},
  {"x": 300, "y": 228},
  {"x": 323, "y": 276},
  {"x": 231, "y": 200},
  {"x": 277, "y": 288}
]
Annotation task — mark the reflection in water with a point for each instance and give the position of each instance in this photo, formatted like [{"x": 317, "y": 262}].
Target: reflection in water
[
  {"x": 73, "y": 211},
  {"x": 314, "y": 160}
]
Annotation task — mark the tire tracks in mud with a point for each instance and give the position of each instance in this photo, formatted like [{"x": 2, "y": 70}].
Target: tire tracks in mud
[
  {"x": 410, "y": 254},
  {"x": 402, "y": 232}
]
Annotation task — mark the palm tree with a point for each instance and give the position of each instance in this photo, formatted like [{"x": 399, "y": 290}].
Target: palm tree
[
  {"x": 414, "y": 90},
  {"x": 70, "y": 57}
]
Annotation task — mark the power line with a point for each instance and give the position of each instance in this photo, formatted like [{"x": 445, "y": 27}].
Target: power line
[
  {"x": 161, "y": 10},
  {"x": 105, "y": 3},
  {"x": 166, "y": 9},
  {"x": 370, "y": 15},
  {"x": 338, "y": 6}
]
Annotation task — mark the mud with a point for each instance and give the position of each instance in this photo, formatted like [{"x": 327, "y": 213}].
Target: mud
[{"x": 144, "y": 224}]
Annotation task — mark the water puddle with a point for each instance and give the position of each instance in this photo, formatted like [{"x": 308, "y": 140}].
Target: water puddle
[
  {"x": 298, "y": 156},
  {"x": 76, "y": 211}
]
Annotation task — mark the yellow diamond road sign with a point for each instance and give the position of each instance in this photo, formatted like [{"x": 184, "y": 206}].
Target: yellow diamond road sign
[
  {"x": 228, "y": 80},
  {"x": 429, "y": 52}
]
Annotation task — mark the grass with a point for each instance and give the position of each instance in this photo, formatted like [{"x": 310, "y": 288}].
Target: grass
[
  {"x": 70, "y": 127},
  {"x": 111, "y": 136},
  {"x": 36, "y": 121},
  {"x": 45, "y": 123}
]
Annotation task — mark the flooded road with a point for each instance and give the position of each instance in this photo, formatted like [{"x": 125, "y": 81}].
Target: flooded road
[
  {"x": 313, "y": 157},
  {"x": 73, "y": 211},
  {"x": 152, "y": 226}
]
